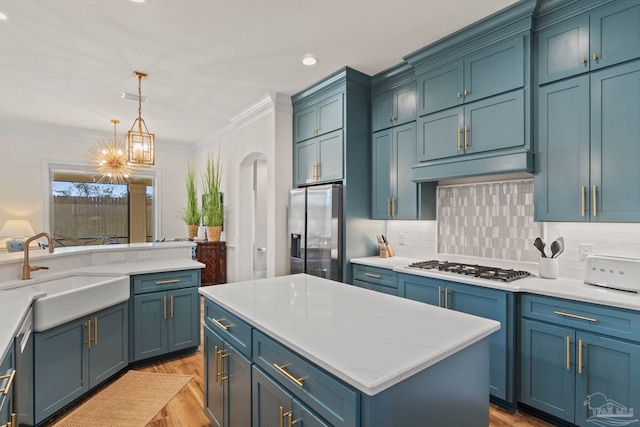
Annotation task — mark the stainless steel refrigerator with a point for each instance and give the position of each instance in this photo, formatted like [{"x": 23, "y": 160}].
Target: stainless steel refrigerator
[{"x": 315, "y": 231}]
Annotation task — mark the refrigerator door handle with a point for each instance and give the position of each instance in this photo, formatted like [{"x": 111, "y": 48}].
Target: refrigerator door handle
[{"x": 296, "y": 251}]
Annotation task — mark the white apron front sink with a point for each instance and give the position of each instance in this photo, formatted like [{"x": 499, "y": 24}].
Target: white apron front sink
[{"x": 74, "y": 296}]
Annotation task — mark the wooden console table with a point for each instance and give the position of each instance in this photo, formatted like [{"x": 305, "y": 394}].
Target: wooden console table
[{"x": 214, "y": 256}]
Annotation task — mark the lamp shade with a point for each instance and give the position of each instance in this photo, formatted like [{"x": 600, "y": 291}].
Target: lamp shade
[{"x": 17, "y": 228}]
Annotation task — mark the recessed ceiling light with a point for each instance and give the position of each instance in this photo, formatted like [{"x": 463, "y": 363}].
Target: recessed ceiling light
[
  {"x": 309, "y": 60},
  {"x": 134, "y": 97},
  {"x": 3, "y": 17},
  {"x": 140, "y": 1}
]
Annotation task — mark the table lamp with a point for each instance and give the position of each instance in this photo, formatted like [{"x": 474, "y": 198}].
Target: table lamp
[{"x": 18, "y": 230}]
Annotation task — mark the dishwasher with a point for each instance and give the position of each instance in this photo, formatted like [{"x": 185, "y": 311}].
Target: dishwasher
[{"x": 23, "y": 386}]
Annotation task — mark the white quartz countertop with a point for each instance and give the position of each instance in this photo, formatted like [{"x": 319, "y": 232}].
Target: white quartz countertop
[
  {"x": 368, "y": 339},
  {"x": 572, "y": 289}
]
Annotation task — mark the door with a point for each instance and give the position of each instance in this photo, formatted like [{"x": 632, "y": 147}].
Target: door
[
  {"x": 382, "y": 171},
  {"x": 615, "y": 33},
  {"x": 330, "y": 114},
  {"x": 548, "y": 368},
  {"x": 441, "y": 88},
  {"x": 150, "y": 325},
  {"x": 260, "y": 192},
  {"x": 423, "y": 289},
  {"x": 606, "y": 378},
  {"x": 270, "y": 401},
  {"x": 238, "y": 387},
  {"x": 404, "y": 103},
  {"x": 305, "y": 417},
  {"x": 183, "y": 314},
  {"x": 109, "y": 352},
  {"x": 440, "y": 134},
  {"x": 304, "y": 124},
  {"x": 324, "y": 231},
  {"x": 297, "y": 230},
  {"x": 306, "y": 161},
  {"x": 563, "y": 50},
  {"x": 562, "y": 182},
  {"x": 404, "y": 157},
  {"x": 214, "y": 396},
  {"x": 615, "y": 176},
  {"x": 382, "y": 111},
  {"x": 329, "y": 157}
]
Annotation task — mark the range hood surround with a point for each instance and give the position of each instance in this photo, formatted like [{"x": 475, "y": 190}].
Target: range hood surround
[{"x": 504, "y": 163}]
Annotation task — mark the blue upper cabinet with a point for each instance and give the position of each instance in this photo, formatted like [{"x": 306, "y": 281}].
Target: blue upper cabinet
[
  {"x": 489, "y": 71},
  {"x": 318, "y": 119},
  {"x": 394, "y": 107},
  {"x": 590, "y": 41}
]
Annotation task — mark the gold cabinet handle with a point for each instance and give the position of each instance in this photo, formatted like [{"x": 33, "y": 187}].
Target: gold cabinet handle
[
  {"x": 595, "y": 202},
  {"x": 582, "y": 199},
  {"x": 219, "y": 323},
  {"x": 575, "y": 316},
  {"x": 88, "y": 325},
  {"x": 281, "y": 417},
  {"x": 583, "y": 60},
  {"x": 291, "y": 421},
  {"x": 595, "y": 56},
  {"x": 221, "y": 374},
  {"x": 317, "y": 170},
  {"x": 446, "y": 298},
  {"x": 388, "y": 206},
  {"x": 164, "y": 304},
  {"x": 568, "y": 353},
  {"x": 439, "y": 296},
  {"x": 283, "y": 370},
  {"x": 459, "y": 95},
  {"x": 466, "y": 92},
  {"x": 216, "y": 369},
  {"x": 171, "y": 307},
  {"x": 166, "y": 282},
  {"x": 375, "y": 276},
  {"x": 459, "y": 133},
  {"x": 393, "y": 207},
  {"x": 466, "y": 133},
  {"x": 11, "y": 376},
  {"x": 580, "y": 356},
  {"x": 95, "y": 331}
]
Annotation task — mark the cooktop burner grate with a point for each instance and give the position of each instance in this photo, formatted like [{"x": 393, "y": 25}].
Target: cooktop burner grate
[{"x": 474, "y": 270}]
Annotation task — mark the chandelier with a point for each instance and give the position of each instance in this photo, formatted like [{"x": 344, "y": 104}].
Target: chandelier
[
  {"x": 140, "y": 144},
  {"x": 110, "y": 161}
]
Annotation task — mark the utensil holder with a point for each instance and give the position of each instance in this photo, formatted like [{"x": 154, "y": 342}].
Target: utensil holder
[
  {"x": 386, "y": 251},
  {"x": 549, "y": 268}
]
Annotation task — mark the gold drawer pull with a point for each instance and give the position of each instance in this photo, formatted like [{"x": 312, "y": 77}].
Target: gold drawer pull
[
  {"x": 580, "y": 356},
  {"x": 219, "y": 323},
  {"x": 575, "y": 316},
  {"x": 282, "y": 369},
  {"x": 375, "y": 276},
  {"x": 595, "y": 201},
  {"x": 166, "y": 282},
  {"x": 582, "y": 199},
  {"x": 6, "y": 388},
  {"x": 568, "y": 353}
]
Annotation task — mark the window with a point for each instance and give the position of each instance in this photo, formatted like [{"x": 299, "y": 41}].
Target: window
[{"x": 84, "y": 212}]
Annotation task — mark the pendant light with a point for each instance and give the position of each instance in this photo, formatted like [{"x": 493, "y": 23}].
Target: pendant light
[
  {"x": 140, "y": 144},
  {"x": 110, "y": 160}
]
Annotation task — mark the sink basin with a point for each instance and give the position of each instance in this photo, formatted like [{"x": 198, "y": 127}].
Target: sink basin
[{"x": 75, "y": 296}]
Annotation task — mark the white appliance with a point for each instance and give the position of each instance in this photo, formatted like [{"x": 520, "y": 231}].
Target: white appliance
[{"x": 613, "y": 272}]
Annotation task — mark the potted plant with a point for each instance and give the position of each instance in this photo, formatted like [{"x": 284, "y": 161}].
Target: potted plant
[
  {"x": 192, "y": 213},
  {"x": 213, "y": 208}
]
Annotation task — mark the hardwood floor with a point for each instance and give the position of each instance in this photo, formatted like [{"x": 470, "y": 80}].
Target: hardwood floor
[{"x": 186, "y": 409}]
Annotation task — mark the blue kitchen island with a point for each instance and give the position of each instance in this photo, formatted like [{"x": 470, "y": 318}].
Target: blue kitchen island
[{"x": 301, "y": 349}]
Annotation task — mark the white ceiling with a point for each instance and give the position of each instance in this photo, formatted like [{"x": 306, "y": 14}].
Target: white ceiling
[{"x": 66, "y": 62}]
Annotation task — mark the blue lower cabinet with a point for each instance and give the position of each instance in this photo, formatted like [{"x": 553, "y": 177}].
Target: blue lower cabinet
[
  {"x": 483, "y": 302},
  {"x": 71, "y": 359},
  {"x": 586, "y": 378},
  {"x": 7, "y": 373},
  {"x": 228, "y": 382},
  {"x": 375, "y": 278}
]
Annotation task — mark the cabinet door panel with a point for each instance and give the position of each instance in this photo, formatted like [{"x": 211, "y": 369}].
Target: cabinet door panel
[
  {"x": 150, "y": 325},
  {"x": 440, "y": 88},
  {"x": 306, "y": 157},
  {"x": 495, "y": 69},
  {"x": 381, "y": 111},
  {"x": 7, "y": 366},
  {"x": 404, "y": 103},
  {"x": 330, "y": 156},
  {"x": 184, "y": 316},
  {"x": 406, "y": 191},
  {"x": 238, "y": 371},
  {"x": 440, "y": 134},
  {"x": 330, "y": 114},
  {"x": 304, "y": 124},
  {"x": 494, "y": 123},
  {"x": 213, "y": 398},
  {"x": 382, "y": 170},
  {"x": 306, "y": 417},
  {"x": 615, "y": 33},
  {"x": 562, "y": 49},
  {"x": 615, "y": 109},
  {"x": 609, "y": 372},
  {"x": 109, "y": 352},
  {"x": 563, "y": 148},
  {"x": 267, "y": 399},
  {"x": 546, "y": 383},
  {"x": 422, "y": 289}
]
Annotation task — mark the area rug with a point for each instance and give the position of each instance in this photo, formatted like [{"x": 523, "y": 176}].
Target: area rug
[{"x": 131, "y": 401}]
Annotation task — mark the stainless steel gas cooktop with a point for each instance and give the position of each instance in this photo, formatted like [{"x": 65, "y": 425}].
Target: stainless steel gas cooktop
[{"x": 479, "y": 271}]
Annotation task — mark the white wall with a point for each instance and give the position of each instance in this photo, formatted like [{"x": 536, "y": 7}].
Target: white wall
[{"x": 25, "y": 151}]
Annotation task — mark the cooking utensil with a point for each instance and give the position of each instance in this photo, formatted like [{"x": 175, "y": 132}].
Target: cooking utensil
[
  {"x": 540, "y": 244},
  {"x": 557, "y": 247}
]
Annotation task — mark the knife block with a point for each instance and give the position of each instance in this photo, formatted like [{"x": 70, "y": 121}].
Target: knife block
[{"x": 386, "y": 251}]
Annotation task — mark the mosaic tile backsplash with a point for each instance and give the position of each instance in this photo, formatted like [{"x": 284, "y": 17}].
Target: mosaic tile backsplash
[{"x": 492, "y": 220}]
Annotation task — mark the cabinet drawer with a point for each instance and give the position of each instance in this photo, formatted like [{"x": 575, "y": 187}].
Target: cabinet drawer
[
  {"x": 333, "y": 400},
  {"x": 165, "y": 281},
  {"x": 229, "y": 326},
  {"x": 589, "y": 317},
  {"x": 375, "y": 275}
]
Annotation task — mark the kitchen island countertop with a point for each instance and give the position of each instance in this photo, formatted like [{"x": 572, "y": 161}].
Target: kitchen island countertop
[{"x": 369, "y": 340}]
